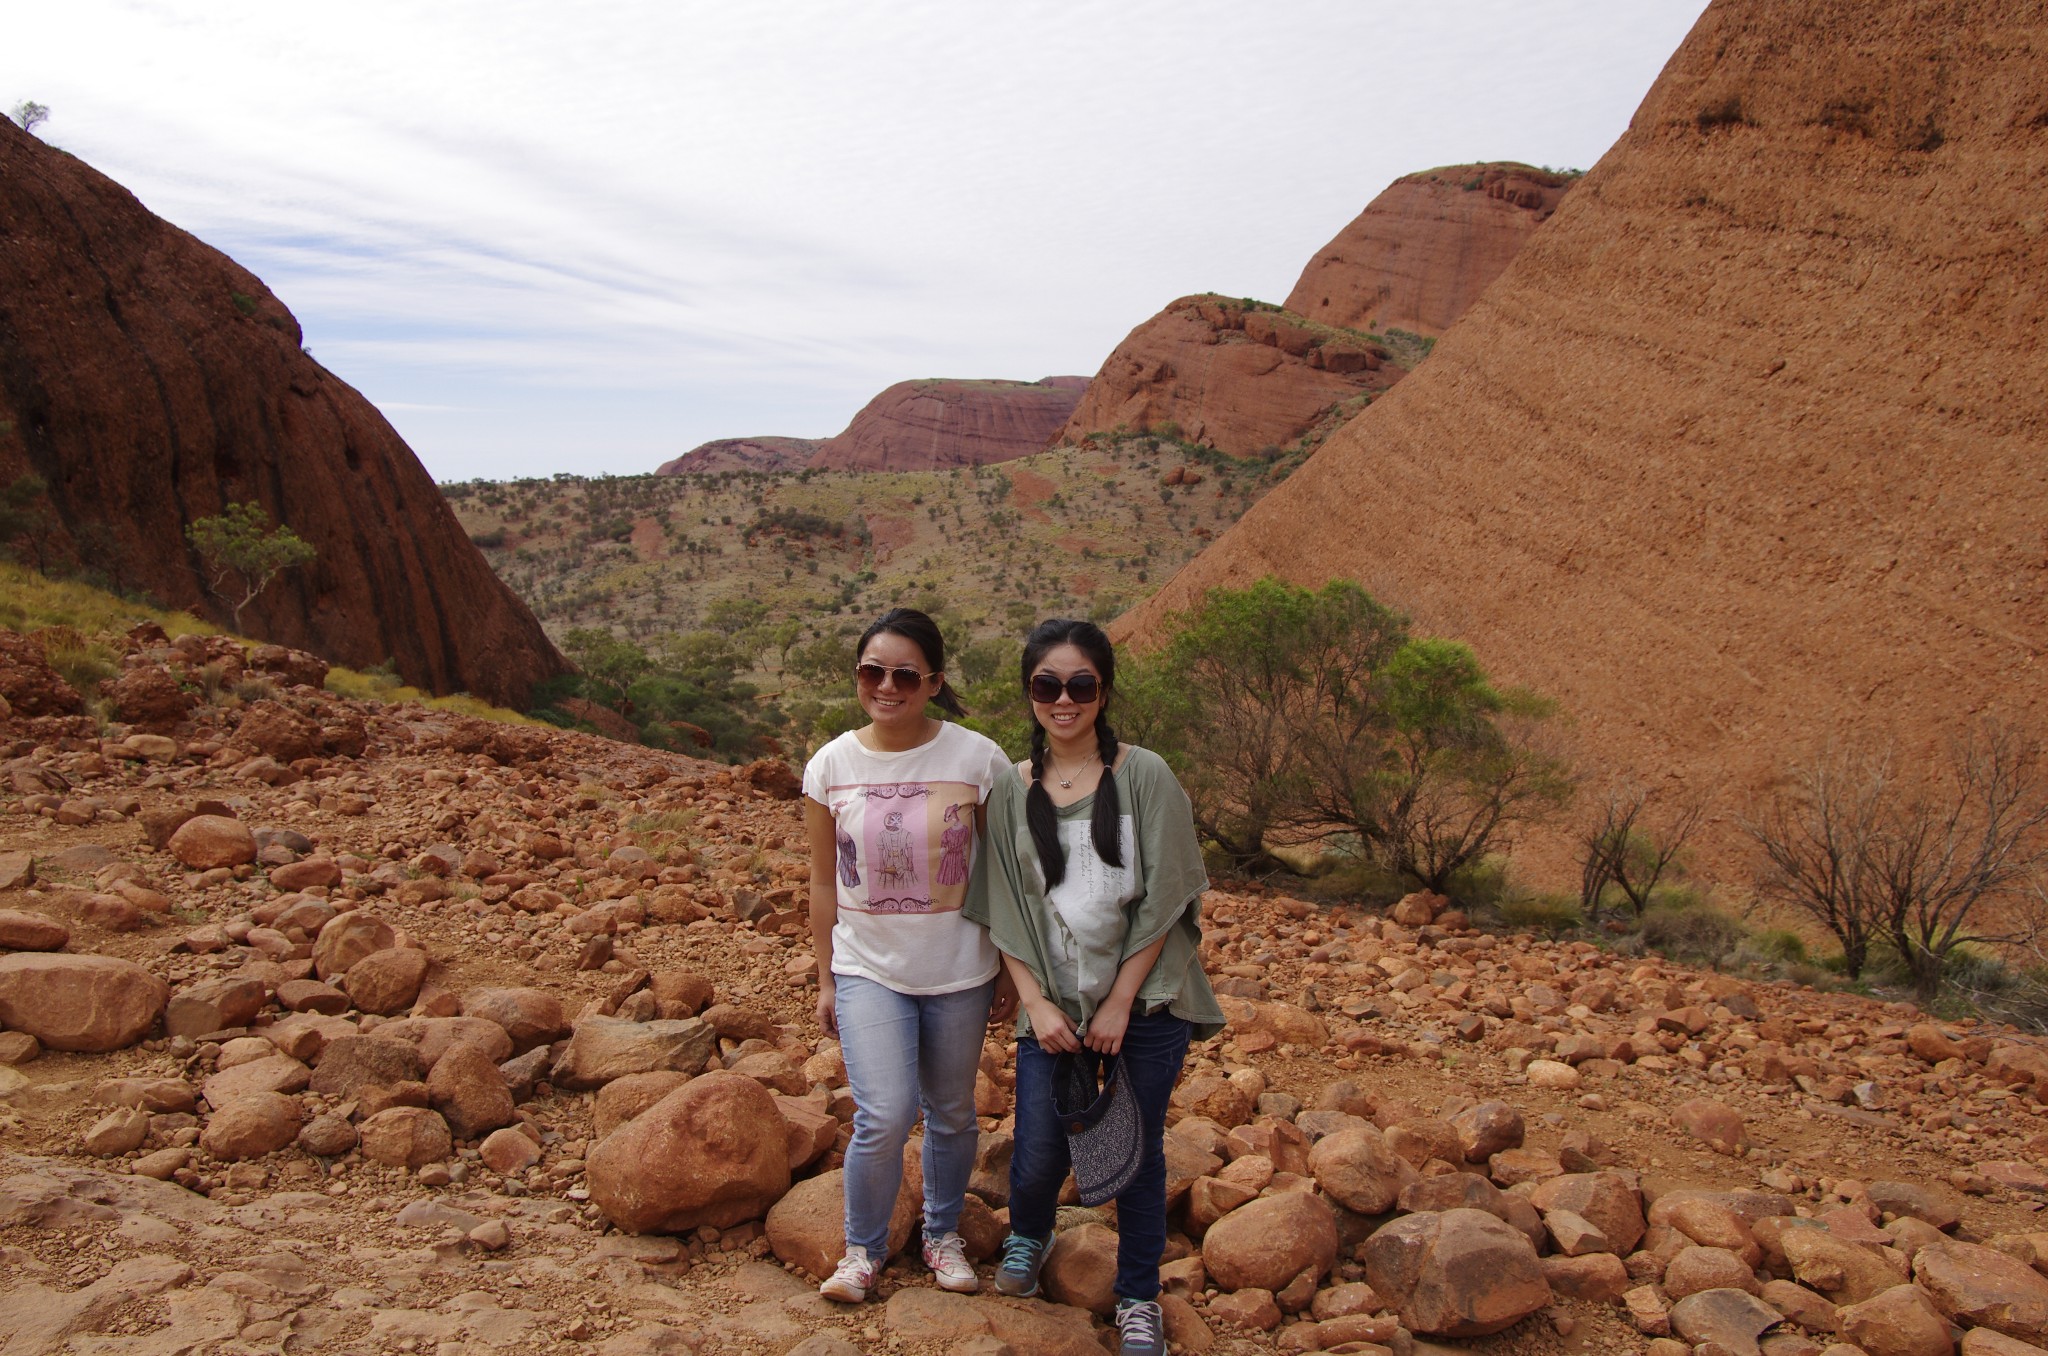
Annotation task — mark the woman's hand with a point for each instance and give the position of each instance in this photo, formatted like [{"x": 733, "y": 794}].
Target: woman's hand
[
  {"x": 1106, "y": 1028},
  {"x": 828, "y": 1005},
  {"x": 1005, "y": 1005},
  {"x": 1055, "y": 1033}
]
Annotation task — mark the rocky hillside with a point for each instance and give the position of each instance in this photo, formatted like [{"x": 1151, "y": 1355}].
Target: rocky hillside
[
  {"x": 929, "y": 425},
  {"x": 150, "y": 381},
  {"x": 1086, "y": 529},
  {"x": 1239, "y": 376},
  {"x": 743, "y": 454},
  {"x": 933, "y": 425},
  {"x": 332, "y": 1026},
  {"x": 1421, "y": 252},
  {"x": 1743, "y": 450}
]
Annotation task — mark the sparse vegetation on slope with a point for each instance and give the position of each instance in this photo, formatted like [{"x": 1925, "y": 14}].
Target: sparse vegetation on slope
[{"x": 767, "y": 576}]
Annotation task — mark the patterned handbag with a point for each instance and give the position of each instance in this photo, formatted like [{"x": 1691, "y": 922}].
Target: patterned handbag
[{"x": 1095, "y": 1105}]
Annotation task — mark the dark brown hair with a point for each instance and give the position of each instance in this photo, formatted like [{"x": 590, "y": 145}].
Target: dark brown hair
[
  {"x": 923, "y": 632},
  {"x": 1106, "y": 825}
]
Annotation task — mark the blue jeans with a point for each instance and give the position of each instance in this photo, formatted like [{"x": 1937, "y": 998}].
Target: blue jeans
[
  {"x": 1153, "y": 1050},
  {"x": 904, "y": 1051}
]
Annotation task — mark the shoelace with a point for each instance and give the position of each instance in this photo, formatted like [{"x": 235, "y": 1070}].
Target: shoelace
[
  {"x": 951, "y": 1251},
  {"x": 1019, "y": 1252},
  {"x": 853, "y": 1269},
  {"x": 1139, "y": 1323}
]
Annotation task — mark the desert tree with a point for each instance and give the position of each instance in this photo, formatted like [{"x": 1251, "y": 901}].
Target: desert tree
[
  {"x": 1227, "y": 701},
  {"x": 1955, "y": 861},
  {"x": 1469, "y": 765},
  {"x": 30, "y": 114},
  {"x": 1631, "y": 847},
  {"x": 1923, "y": 866},
  {"x": 243, "y": 553}
]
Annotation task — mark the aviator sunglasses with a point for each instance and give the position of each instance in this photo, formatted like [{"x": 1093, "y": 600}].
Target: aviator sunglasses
[
  {"x": 1045, "y": 688},
  {"x": 872, "y": 675}
]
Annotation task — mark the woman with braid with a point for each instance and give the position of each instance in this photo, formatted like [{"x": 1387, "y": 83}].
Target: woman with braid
[{"x": 1091, "y": 884}]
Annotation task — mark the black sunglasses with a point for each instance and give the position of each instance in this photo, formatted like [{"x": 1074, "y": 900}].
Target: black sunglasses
[
  {"x": 873, "y": 674},
  {"x": 1082, "y": 687}
]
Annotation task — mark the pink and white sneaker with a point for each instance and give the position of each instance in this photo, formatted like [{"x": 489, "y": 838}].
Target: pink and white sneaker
[
  {"x": 851, "y": 1280},
  {"x": 946, "y": 1255}
]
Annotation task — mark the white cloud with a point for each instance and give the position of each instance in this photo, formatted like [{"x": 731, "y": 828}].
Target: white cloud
[{"x": 666, "y": 222}]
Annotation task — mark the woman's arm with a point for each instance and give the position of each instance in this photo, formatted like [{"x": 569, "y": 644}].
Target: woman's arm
[
  {"x": 1005, "y": 1005},
  {"x": 824, "y": 838},
  {"x": 1113, "y": 1014},
  {"x": 1054, "y": 1031}
]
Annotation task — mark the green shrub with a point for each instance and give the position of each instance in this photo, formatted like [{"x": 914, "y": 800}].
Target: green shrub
[
  {"x": 1552, "y": 913},
  {"x": 83, "y": 664},
  {"x": 1694, "y": 933},
  {"x": 1781, "y": 945},
  {"x": 1481, "y": 884}
]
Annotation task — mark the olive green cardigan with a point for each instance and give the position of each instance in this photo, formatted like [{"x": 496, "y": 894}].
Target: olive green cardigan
[{"x": 1007, "y": 892}]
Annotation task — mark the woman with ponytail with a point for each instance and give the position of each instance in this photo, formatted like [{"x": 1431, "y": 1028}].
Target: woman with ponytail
[
  {"x": 1091, "y": 885},
  {"x": 904, "y": 980}
]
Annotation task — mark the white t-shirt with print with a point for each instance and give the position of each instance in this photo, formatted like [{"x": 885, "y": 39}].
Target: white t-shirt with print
[{"x": 905, "y": 827}]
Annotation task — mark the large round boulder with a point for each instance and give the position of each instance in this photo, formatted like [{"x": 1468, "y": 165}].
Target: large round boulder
[
  {"x": 469, "y": 1092},
  {"x": 531, "y": 1017},
  {"x": 406, "y": 1137},
  {"x": 346, "y": 939},
  {"x": 1356, "y": 1169},
  {"x": 251, "y": 1126},
  {"x": 207, "y": 841},
  {"x": 1979, "y": 1287},
  {"x": 1268, "y": 1242},
  {"x": 712, "y": 1152},
  {"x": 1462, "y": 1273},
  {"x": 807, "y": 1227},
  {"x": 1604, "y": 1199},
  {"x": 80, "y": 1003}
]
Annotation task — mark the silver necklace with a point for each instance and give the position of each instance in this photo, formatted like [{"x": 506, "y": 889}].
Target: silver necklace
[{"x": 1067, "y": 783}]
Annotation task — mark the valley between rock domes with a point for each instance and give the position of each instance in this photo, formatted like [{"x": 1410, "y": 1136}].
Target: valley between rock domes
[{"x": 647, "y": 902}]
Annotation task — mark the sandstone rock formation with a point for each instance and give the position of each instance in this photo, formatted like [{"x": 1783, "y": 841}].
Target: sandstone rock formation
[
  {"x": 1243, "y": 378},
  {"x": 1740, "y": 450},
  {"x": 1425, "y": 249},
  {"x": 150, "y": 380},
  {"x": 743, "y": 454},
  {"x": 933, "y": 424}
]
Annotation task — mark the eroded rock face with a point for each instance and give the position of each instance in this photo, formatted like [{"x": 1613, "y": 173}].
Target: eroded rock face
[
  {"x": 1421, "y": 252},
  {"x": 1797, "y": 445},
  {"x": 85, "y": 1003},
  {"x": 930, "y": 425},
  {"x": 1981, "y": 1287},
  {"x": 1462, "y": 1273},
  {"x": 1241, "y": 379},
  {"x": 152, "y": 380},
  {"x": 711, "y": 1152}
]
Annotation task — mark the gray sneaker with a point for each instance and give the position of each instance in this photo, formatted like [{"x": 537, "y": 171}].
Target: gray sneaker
[
  {"x": 1023, "y": 1258},
  {"x": 1141, "y": 1328}
]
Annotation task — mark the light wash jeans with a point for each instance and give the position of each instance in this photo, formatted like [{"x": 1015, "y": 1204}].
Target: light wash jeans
[{"x": 904, "y": 1051}]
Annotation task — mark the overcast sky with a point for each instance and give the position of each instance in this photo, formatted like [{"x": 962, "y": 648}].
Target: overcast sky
[{"x": 586, "y": 237}]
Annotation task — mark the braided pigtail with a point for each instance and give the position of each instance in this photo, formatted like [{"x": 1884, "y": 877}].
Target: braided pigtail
[
  {"x": 1040, "y": 817},
  {"x": 1106, "y": 826}
]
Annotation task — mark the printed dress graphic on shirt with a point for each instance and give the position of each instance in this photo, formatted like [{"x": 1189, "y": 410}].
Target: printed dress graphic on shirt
[
  {"x": 904, "y": 846},
  {"x": 849, "y": 868},
  {"x": 954, "y": 840}
]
